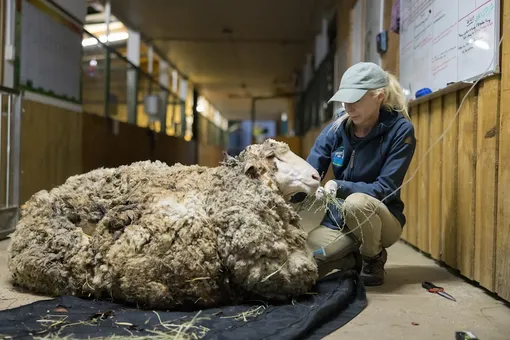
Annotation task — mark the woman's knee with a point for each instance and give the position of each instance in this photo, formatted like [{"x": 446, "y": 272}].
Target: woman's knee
[
  {"x": 360, "y": 211},
  {"x": 359, "y": 201}
]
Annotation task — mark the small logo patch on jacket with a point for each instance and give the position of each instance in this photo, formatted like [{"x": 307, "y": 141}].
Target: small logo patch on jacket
[
  {"x": 338, "y": 157},
  {"x": 408, "y": 140}
]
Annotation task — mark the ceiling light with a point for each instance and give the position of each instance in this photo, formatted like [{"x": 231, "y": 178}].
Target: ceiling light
[{"x": 112, "y": 37}]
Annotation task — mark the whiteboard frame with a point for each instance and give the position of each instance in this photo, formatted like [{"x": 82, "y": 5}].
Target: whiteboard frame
[
  {"x": 461, "y": 84},
  {"x": 18, "y": 58}
]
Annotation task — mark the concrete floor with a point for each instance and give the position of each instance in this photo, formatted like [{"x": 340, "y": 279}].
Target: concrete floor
[{"x": 400, "y": 309}]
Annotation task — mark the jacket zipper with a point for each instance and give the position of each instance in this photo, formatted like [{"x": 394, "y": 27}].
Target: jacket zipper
[
  {"x": 352, "y": 158},
  {"x": 351, "y": 165}
]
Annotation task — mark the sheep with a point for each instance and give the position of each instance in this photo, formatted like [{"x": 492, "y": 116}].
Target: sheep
[{"x": 166, "y": 237}]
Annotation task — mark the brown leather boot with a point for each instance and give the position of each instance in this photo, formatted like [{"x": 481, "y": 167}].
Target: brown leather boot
[{"x": 372, "y": 273}]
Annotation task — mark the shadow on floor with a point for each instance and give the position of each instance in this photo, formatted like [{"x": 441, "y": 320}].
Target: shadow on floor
[{"x": 404, "y": 275}]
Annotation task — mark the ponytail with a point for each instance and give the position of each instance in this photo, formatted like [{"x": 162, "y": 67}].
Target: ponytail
[{"x": 394, "y": 98}]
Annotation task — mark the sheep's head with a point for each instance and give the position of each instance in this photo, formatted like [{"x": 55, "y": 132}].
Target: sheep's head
[{"x": 274, "y": 162}]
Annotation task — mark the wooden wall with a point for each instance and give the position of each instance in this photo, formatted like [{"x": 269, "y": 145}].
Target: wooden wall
[
  {"x": 51, "y": 141},
  {"x": 457, "y": 202},
  {"x": 294, "y": 142},
  {"x": 105, "y": 144},
  {"x": 57, "y": 143},
  {"x": 209, "y": 155}
]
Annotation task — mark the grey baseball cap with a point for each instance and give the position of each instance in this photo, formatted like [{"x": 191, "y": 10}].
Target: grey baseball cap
[{"x": 357, "y": 80}]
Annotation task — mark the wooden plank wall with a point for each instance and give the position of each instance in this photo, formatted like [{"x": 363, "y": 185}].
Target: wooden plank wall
[
  {"x": 208, "y": 154},
  {"x": 458, "y": 202},
  {"x": 105, "y": 145},
  {"x": 51, "y": 141},
  {"x": 57, "y": 143}
]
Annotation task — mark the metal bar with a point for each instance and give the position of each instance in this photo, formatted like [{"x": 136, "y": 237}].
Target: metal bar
[
  {"x": 252, "y": 114},
  {"x": 147, "y": 40},
  {"x": 150, "y": 61},
  {"x": 1, "y": 118},
  {"x": 8, "y": 155},
  {"x": 16, "y": 151},
  {"x": 8, "y": 90},
  {"x": 2, "y": 34},
  {"x": 126, "y": 60},
  {"x": 107, "y": 13},
  {"x": 107, "y": 86}
]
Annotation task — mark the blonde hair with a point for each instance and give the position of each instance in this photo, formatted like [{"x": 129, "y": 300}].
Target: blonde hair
[{"x": 394, "y": 99}]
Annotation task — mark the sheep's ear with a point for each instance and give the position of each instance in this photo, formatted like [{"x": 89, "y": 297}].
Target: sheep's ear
[
  {"x": 226, "y": 156},
  {"x": 250, "y": 169}
]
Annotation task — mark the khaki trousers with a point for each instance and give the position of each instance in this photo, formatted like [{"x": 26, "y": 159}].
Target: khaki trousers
[{"x": 381, "y": 230}]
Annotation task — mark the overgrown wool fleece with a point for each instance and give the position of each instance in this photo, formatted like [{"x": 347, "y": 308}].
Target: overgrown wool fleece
[{"x": 162, "y": 236}]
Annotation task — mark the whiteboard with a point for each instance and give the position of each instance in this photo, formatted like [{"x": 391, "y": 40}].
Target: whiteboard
[
  {"x": 49, "y": 58},
  {"x": 445, "y": 42}
]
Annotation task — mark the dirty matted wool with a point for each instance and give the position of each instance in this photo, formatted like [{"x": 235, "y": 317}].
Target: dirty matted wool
[{"x": 162, "y": 236}]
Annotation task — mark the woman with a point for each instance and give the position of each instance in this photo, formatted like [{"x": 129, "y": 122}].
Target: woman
[{"x": 370, "y": 146}]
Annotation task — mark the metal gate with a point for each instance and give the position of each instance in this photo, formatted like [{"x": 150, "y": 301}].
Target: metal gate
[{"x": 10, "y": 142}]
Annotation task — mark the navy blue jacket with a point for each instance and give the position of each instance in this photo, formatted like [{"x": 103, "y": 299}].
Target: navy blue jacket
[{"x": 377, "y": 166}]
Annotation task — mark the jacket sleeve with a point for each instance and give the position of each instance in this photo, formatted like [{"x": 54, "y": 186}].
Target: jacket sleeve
[
  {"x": 393, "y": 171},
  {"x": 319, "y": 157}
]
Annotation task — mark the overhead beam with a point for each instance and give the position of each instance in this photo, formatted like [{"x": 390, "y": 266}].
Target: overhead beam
[{"x": 199, "y": 40}]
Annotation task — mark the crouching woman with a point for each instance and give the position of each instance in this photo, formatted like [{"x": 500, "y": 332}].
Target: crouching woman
[{"x": 370, "y": 146}]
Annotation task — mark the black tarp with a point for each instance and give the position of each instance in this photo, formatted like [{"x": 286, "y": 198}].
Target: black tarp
[{"x": 337, "y": 299}]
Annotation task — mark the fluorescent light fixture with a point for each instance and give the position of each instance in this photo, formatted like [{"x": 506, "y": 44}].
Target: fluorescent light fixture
[
  {"x": 99, "y": 28},
  {"x": 201, "y": 102},
  {"x": 89, "y": 42},
  {"x": 112, "y": 37}
]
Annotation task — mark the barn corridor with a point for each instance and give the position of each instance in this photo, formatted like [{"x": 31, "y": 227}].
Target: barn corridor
[{"x": 95, "y": 84}]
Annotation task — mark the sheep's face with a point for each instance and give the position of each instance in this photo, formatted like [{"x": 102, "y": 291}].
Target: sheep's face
[{"x": 276, "y": 163}]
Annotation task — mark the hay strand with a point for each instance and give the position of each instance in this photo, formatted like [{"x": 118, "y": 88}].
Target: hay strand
[
  {"x": 252, "y": 313},
  {"x": 172, "y": 330}
]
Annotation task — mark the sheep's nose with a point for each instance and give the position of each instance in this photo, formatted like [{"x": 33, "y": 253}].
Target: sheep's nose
[{"x": 316, "y": 176}]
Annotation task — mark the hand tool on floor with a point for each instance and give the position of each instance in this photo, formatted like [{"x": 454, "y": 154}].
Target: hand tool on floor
[{"x": 438, "y": 290}]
